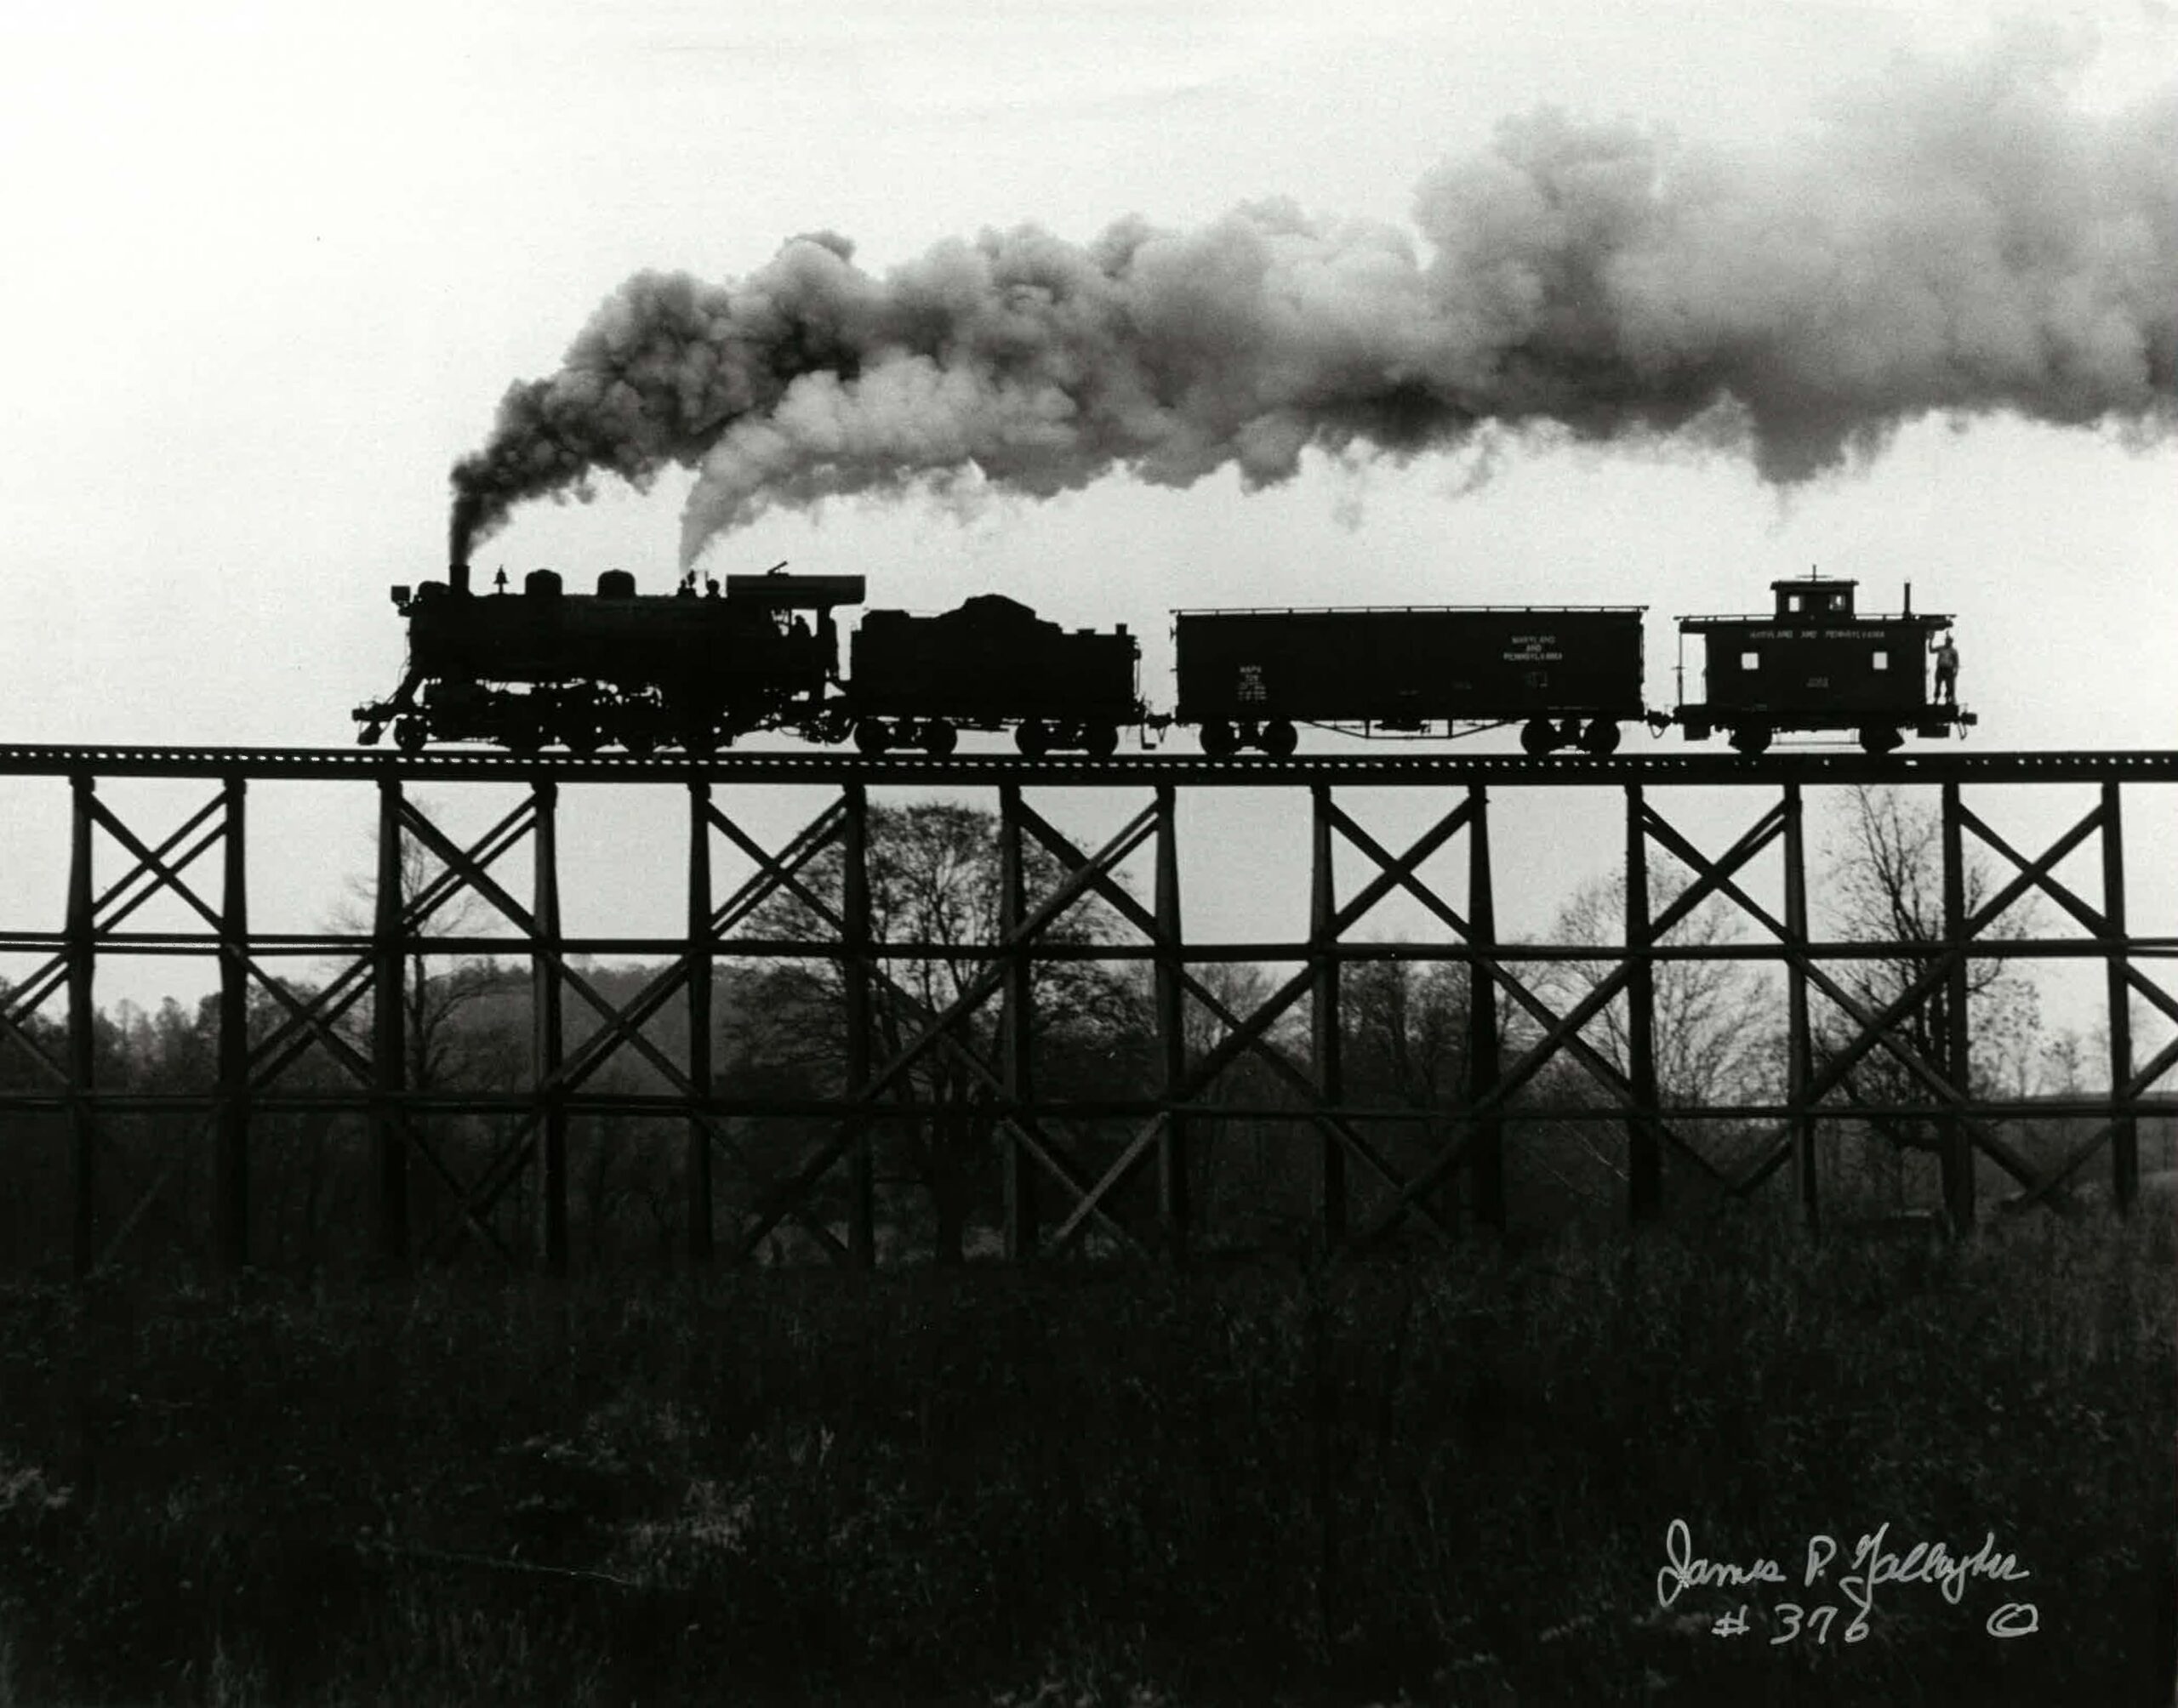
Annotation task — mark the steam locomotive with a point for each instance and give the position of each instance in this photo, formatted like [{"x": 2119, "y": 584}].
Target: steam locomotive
[{"x": 698, "y": 670}]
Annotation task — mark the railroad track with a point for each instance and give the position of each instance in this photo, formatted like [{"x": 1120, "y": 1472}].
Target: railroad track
[{"x": 1945, "y": 764}]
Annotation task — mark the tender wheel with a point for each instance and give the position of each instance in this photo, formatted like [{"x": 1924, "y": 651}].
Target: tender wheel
[
  {"x": 638, "y": 742},
  {"x": 408, "y": 734},
  {"x": 1599, "y": 738},
  {"x": 1751, "y": 738},
  {"x": 1880, "y": 738},
  {"x": 1279, "y": 738},
  {"x": 873, "y": 736},
  {"x": 1538, "y": 736},
  {"x": 581, "y": 740},
  {"x": 1033, "y": 738},
  {"x": 1100, "y": 741},
  {"x": 1218, "y": 740},
  {"x": 939, "y": 738}
]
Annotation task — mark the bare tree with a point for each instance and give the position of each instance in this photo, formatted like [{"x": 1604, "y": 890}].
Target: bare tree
[
  {"x": 436, "y": 990},
  {"x": 1886, "y": 886},
  {"x": 1717, "y": 1033},
  {"x": 935, "y": 882}
]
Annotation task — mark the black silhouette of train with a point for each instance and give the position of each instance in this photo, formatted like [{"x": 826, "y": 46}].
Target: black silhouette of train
[{"x": 697, "y": 670}]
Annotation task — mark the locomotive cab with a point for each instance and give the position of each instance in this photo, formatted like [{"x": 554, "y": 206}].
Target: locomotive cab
[{"x": 1815, "y": 664}]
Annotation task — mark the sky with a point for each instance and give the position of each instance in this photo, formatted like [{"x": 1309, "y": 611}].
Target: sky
[{"x": 279, "y": 266}]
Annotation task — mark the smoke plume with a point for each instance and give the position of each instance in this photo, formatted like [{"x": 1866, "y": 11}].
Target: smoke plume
[{"x": 1971, "y": 243}]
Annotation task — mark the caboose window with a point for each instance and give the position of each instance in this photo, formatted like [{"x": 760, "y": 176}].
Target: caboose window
[
  {"x": 1748, "y": 661},
  {"x": 1882, "y": 659}
]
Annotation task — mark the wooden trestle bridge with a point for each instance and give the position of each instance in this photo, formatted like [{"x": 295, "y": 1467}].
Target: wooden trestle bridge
[{"x": 1054, "y": 1197}]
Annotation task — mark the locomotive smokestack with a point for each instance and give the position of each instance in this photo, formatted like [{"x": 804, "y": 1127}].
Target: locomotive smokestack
[
  {"x": 1964, "y": 241},
  {"x": 1909, "y": 599},
  {"x": 457, "y": 577}
]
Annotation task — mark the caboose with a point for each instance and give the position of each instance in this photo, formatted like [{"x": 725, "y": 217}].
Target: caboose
[{"x": 1815, "y": 663}]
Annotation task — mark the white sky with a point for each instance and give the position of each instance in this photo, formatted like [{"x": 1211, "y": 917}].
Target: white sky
[{"x": 273, "y": 270}]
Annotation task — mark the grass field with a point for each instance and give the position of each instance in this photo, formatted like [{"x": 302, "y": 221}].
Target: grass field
[{"x": 1439, "y": 1479}]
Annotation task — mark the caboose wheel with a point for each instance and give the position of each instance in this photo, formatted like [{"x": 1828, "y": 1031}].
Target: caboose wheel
[
  {"x": 1218, "y": 740},
  {"x": 1100, "y": 741},
  {"x": 1880, "y": 738},
  {"x": 1279, "y": 738},
  {"x": 1599, "y": 738},
  {"x": 939, "y": 738},
  {"x": 1538, "y": 736},
  {"x": 1033, "y": 738},
  {"x": 872, "y": 736},
  {"x": 408, "y": 734},
  {"x": 1751, "y": 738}
]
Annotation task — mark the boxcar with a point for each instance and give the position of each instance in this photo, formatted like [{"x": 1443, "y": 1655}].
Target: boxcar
[
  {"x": 1814, "y": 663},
  {"x": 1566, "y": 673},
  {"x": 990, "y": 664}
]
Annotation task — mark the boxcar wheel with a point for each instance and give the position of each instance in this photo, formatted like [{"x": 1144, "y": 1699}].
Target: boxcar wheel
[
  {"x": 1100, "y": 741},
  {"x": 872, "y": 736},
  {"x": 1599, "y": 738},
  {"x": 1538, "y": 737},
  {"x": 1279, "y": 738},
  {"x": 1033, "y": 740},
  {"x": 1218, "y": 740},
  {"x": 939, "y": 738}
]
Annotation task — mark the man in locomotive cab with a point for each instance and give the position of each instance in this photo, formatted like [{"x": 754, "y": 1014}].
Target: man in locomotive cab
[{"x": 1947, "y": 655}]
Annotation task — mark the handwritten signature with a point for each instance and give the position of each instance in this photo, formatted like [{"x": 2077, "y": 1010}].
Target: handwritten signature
[{"x": 1871, "y": 1564}]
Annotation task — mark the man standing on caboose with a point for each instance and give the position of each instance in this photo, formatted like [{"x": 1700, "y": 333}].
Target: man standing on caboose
[{"x": 1946, "y": 669}]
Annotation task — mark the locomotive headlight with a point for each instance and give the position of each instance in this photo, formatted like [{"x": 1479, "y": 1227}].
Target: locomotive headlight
[{"x": 401, "y": 597}]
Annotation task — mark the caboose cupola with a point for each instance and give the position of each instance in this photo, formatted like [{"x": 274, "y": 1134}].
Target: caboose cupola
[{"x": 1813, "y": 597}]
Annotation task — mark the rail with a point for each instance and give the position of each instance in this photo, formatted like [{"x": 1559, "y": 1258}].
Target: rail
[{"x": 1712, "y": 769}]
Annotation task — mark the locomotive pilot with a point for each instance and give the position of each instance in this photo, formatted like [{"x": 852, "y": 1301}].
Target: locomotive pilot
[{"x": 1946, "y": 669}]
